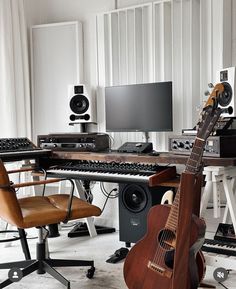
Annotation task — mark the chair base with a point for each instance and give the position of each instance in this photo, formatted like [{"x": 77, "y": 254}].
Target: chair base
[{"x": 46, "y": 266}]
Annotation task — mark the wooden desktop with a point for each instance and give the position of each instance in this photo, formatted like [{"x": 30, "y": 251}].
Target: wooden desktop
[{"x": 163, "y": 158}]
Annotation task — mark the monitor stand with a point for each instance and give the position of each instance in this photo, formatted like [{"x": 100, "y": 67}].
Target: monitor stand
[
  {"x": 146, "y": 136},
  {"x": 81, "y": 229}
]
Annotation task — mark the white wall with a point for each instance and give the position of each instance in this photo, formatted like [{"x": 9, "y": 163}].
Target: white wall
[
  {"x": 234, "y": 33},
  {"x": 51, "y": 11}
]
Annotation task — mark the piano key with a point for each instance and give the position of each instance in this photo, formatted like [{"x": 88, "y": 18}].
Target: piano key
[
  {"x": 219, "y": 247},
  {"x": 105, "y": 176},
  {"x": 113, "y": 171}
]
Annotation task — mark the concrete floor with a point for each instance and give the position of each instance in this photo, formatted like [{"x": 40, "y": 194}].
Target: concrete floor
[{"x": 107, "y": 275}]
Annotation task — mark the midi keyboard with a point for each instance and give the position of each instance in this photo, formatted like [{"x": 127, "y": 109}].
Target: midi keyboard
[
  {"x": 113, "y": 171},
  {"x": 219, "y": 247},
  {"x": 13, "y": 149}
]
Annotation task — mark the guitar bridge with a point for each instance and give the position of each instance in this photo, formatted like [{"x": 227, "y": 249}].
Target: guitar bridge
[{"x": 159, "y": 270}]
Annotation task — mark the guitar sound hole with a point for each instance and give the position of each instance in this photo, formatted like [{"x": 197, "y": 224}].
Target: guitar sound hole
[{"x": 167, "y": 239}]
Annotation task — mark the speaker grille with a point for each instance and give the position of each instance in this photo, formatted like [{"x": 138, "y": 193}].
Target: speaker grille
[
  {"x": 134, "y": 198},
  {"x": 79, "y": 103},
  {"x": 226, "y": 96}
]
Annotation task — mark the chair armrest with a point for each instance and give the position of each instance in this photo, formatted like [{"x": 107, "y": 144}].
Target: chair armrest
[
  {"x": 35, "y": 183},
  {"x": 20, "y": 170},
  {"x": 44, "y": 182}
]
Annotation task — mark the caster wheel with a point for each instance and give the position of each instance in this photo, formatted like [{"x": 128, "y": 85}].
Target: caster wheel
[{"x": 90, "y": 272}]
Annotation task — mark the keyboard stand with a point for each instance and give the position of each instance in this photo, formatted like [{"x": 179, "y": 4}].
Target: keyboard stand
[
  {"x": 220, "y": 180},
  {"x": 87, "y": 228},
  {"x": 82, "y": 230}
]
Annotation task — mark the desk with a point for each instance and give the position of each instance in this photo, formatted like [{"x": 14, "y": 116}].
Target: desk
[{"x": 163, "y": 158}]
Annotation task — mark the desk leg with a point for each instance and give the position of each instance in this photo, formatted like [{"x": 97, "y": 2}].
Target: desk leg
[
  {"x": 230, "y": 199},
  {"x": 217, "y": 189},
  {"x": 206, "y": 196},
  {"x": 62, "y": 187},
  {"x": 37, "y": 190},
  {"x": 226, "y": 217}
]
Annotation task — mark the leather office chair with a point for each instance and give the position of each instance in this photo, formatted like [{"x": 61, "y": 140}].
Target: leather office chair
[{"x": 38, "y": 211}]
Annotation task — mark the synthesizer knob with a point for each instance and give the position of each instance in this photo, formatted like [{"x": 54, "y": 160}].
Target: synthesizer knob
[
  {"x": 55, "y": 145},
  {"x": 180, "y": 145}
]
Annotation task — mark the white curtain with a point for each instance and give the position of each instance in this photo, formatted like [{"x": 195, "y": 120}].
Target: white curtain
[{"x": 15, "y": 120}]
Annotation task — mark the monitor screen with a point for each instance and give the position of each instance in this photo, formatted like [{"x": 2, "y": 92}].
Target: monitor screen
[{"x": 139, "y": 107}]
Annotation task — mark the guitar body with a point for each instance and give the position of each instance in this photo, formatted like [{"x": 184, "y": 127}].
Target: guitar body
[{"x": 137, "y": 272}]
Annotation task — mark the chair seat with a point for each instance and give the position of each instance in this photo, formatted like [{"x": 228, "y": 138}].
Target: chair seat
[{"x": 45, "y": 210}]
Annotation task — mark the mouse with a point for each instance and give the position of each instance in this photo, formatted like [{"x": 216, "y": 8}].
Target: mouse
[{"x": 154, "y": 153}]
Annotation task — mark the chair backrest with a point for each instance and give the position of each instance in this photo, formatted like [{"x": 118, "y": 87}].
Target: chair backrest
[{"x": 9, "y": 207}]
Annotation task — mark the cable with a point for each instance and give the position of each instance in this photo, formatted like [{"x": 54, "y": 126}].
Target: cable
[
  {"x": 223, "y": 285},
  {"x": 106, "y": 194},
  {"x": 108, "y": 197}
]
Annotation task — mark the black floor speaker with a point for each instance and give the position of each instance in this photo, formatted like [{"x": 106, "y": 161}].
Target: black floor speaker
[{"x": 135, "y": 200}]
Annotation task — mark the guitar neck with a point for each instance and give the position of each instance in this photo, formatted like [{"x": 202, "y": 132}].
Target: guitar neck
[{"x": 193, "y": 166}]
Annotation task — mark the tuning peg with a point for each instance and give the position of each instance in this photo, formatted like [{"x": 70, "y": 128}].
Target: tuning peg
[
  {"x": 210, "y": 85},
  {"x": 207, "y": 92}
]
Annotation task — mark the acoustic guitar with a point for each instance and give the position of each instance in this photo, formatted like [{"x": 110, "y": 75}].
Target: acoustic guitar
[{"x": 151, "y": 262}]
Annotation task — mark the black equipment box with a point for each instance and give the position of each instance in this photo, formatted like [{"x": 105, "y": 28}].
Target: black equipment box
[
  {"x": 135, "y": 147},
  {"x": 81, "y": 142},
  {"x": 216, "y": 146},
  {"x": 225, "y": 233},
  {"x": 14, "y": 149}
]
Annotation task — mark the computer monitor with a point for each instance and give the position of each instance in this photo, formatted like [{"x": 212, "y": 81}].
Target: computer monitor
[{"x": 139, "y": 107}]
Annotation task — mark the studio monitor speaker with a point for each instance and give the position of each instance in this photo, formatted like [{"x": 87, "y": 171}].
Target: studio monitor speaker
[
  {"x": 227, "y": 100},
  {"x": 81, "y": 104},
  {"x": 135, "y": 200}
]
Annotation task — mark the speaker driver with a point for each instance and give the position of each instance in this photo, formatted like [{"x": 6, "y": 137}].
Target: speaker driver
[
  {"x": 79, "y": 104},
  {"x": 134, "y": 198},
  {"x": 226, "y": 96}
]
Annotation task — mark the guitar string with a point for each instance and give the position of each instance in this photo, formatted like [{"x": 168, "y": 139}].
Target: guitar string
[
  {"x": 166, "y": 235},
  {"x": 163, "y": 247}
]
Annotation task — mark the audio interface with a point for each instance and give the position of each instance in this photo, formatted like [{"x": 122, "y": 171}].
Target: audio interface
[{"x": 216, "y": 146}]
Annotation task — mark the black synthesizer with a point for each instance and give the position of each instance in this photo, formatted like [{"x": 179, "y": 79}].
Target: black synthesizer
[
  {"x": 13, "y": 149},
  {"x": 219, "y": 247},
  {"x": 113, "y": 171}
]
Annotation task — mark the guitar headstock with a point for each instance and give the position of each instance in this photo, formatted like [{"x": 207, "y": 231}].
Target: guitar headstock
[
  {"x": 217, "y": 90},
  {"x": 210, "y": 113}
]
